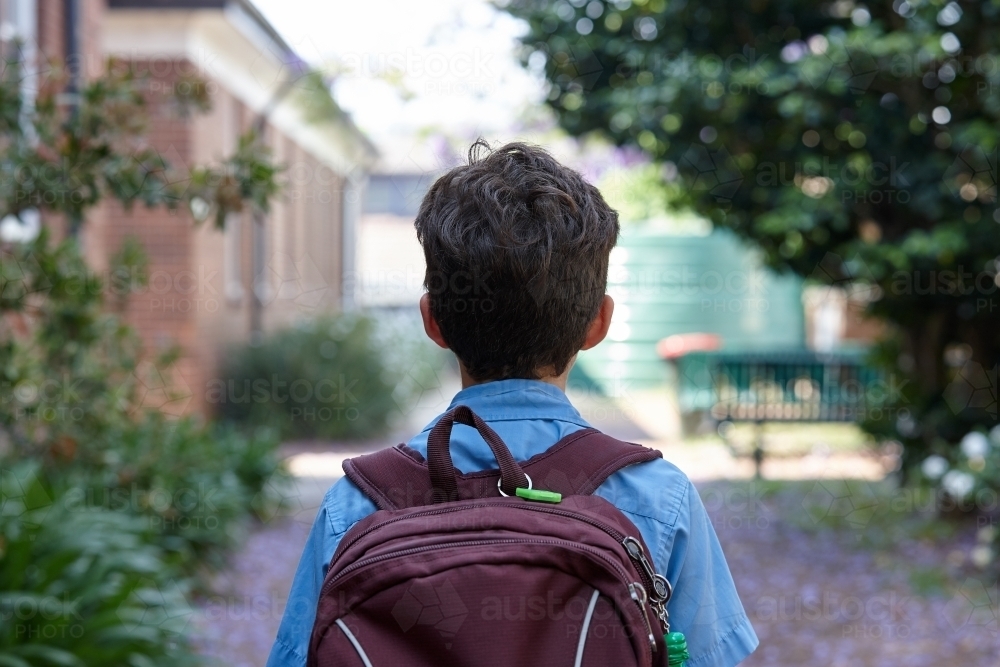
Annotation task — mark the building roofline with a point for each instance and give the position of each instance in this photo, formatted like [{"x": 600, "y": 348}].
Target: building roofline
[
  {"x": 263, "y": 29},
  {"x": 246, "y": 6}
]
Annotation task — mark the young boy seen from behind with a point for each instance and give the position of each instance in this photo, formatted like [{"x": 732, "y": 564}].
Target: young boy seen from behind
[{"x": 517, "y": 249}]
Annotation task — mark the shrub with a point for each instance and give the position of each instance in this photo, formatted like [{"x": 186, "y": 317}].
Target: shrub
[
  {"x": 967, "y": 478},
  {"x": 73, "y": 399},
  {"x": 70, "y": 400},
  {"x": 82, "y": 588},
  {"x": 337, "y": 377},
  {"x": 191, "y": 485}
]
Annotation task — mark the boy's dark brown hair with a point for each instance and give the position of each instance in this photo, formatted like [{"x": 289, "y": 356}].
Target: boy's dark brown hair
[{"x": 517, "y": 249}]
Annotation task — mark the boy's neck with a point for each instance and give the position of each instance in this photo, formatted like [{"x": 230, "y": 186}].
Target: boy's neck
[{"x": 555, "y": 380}]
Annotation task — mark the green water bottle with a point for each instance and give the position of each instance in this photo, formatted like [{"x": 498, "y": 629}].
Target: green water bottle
[{"x": 677, "y": 649}]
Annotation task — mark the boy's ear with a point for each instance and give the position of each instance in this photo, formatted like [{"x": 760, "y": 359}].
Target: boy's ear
[
  {"x": 431, "y": 327},
  {"x": 599, "y": 326}
]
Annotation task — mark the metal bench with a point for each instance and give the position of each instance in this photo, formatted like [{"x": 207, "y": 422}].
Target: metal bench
[{"x": 780, "y": 386}]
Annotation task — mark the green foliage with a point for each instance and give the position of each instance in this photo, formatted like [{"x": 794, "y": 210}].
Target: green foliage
[
  {"x": 66, "y": 159},
  {"x": 336, "y": 377},
  {"x": 68, "y": 367},
  {"x": 855, "y": 144},
  {"x": 248, "y": 177},
  {"x": 192, "y": 486},
  {"x": 313, "y": 94},
  {"x": 131, "y": 271},
  {"x": 134, "y": 504},
  {"x": 74, "y": 393},
  {"x": 82, "y": 587},
  {"x": 639, "y": 196}
]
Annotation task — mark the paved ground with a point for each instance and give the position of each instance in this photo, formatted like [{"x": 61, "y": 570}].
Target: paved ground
[
  {"x": 816, "y": 595},
  {"x": 830, "y": 573},
  {"x": 827, "y": 592}
]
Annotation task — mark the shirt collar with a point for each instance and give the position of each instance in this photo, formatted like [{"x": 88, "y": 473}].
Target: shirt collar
[{"x": 517, "y": 399}]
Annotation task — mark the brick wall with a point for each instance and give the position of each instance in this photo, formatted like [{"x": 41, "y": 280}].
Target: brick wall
[
  {"x": 199, "y": 296},
  {"x": 188, "y": 302},
  {"x": 50, "y": 29},
  {"x": 304, "y": 239},
  {"x": 160, "y": 311},
  {"x": 221, "y": 314}
]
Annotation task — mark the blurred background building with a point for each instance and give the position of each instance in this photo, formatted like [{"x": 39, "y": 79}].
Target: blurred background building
[
  {"x": 337, "y": 237},
  {"x": 209, "y": 288}
]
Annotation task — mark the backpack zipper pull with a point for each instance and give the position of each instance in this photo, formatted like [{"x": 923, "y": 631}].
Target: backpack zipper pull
[
  {"x": 538, "y": 495},
  {"x": 659, "y": 588},
  {"x": 638, "y": 593},
  {"x": 660, "y": 591}
]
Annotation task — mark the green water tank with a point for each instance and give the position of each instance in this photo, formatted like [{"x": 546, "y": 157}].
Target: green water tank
[{"x": 667, "y": 284}]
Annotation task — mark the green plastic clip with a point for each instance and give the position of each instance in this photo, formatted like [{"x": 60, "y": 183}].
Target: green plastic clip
[
  {"x": 677, "y": 649},
  {"x": 539, "y": 495}
]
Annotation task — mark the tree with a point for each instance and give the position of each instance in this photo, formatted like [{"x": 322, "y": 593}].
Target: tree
[
  {"x": 64, "y": 157},
  {"x": 58, "y": 158},
  {"x": 856, "y": 145},
  {"x": 75, "y": 429}
]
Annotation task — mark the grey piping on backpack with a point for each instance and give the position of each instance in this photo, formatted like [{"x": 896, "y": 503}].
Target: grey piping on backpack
[
  {"x": 354, "y": 641},
  {"x": 585, "y": 628}
]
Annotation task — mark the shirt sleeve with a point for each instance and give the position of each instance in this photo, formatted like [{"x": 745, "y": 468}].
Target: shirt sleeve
[
  {"x": 343, "y": 506},
  {"x": 705, "y": 605}
]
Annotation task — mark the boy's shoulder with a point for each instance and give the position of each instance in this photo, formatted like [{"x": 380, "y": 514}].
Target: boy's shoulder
[
  {"x": 344, "y": 505},
  {"x": 657, "y": 490}
]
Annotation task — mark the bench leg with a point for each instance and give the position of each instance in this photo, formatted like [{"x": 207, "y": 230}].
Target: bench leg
[{"x": 758, "y": 450}]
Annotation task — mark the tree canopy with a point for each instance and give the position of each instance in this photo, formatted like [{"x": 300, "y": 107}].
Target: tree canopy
[{"x": 855, "y": 144}]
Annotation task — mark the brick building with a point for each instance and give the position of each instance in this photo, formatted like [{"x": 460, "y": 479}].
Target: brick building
[{"x": 209, "y": 289}]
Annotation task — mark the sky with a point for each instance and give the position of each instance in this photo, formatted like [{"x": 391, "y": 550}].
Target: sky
[{"x": 407, "y": 69}]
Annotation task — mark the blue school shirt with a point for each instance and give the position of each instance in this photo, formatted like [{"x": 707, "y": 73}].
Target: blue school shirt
[{"x": 530, "y": 416}]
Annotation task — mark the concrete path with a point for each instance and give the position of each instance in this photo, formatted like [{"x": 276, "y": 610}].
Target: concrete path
[{"x": 817, "y": 597}]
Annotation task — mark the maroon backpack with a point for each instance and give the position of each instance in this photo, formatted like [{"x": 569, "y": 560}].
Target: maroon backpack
[{"x": 486, "y": 568}]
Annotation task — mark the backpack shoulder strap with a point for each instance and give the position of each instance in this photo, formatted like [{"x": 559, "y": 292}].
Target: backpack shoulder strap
[
  {"x": 392, "y": 478},
  {"x": 582, "y": 461},
  {"x": 397, "y": 478}
]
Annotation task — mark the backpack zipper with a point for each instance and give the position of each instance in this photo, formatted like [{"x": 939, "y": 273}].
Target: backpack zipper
[
  {"x": 364, "y": 562},
  {"x": 648, "y": 579},
  {"x": 573, "y": 546}
]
